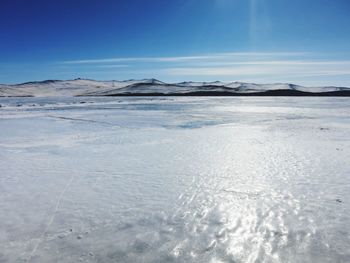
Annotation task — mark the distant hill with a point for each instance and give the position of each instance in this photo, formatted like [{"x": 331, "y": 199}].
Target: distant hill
[{"x": 153, "y": 87}]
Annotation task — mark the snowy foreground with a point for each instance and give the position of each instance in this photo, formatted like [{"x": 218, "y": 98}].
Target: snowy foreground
[{"x": 174, "y": 179}]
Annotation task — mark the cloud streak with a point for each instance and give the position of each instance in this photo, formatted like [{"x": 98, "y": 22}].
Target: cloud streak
[
  {"x": 215, "y": 56},
  {"x": 249, "y": 66},
  {"x": 254, "y": 71}
]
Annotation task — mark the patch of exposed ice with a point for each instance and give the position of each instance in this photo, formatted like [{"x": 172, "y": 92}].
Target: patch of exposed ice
[{"x": 174, "y": 179}]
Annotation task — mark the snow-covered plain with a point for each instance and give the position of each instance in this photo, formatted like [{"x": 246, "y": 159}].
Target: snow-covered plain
[{"x": 174, "y": 179}]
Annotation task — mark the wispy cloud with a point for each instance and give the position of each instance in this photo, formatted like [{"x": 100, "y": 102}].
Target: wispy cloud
[
  {"x": 266, "y": 68},
  {"x": 214, "y": 56},
  {"x": 112, "y": 66},
  {"x": 250, "y": 71},
  {"x": 296, "y": 67},
  {"x": 137, "y": 59}
]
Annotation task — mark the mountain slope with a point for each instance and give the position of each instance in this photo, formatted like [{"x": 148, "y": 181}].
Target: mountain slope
[{"x": 85, "y": 87}]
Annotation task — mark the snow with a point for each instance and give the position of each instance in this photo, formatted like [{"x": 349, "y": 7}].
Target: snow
[
  {"x": 174, "y": 179},
  {"x": 64, "y": 88},
  {"x": 84, "y": 87}
]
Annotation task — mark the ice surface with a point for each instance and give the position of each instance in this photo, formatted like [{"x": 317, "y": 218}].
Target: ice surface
[{"x": 174, "y": 179}]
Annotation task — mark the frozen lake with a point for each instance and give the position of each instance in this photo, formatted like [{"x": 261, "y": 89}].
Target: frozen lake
[{"x": 175, "y": 180}]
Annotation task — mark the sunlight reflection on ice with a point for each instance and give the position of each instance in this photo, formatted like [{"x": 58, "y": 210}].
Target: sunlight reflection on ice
[{"x": 175, "y": 180}]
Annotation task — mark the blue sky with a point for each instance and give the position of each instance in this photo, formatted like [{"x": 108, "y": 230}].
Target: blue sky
[{"x": 303, "y": 42}]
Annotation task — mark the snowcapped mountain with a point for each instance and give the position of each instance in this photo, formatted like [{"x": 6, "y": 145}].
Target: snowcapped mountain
[{"x": 86, "y": 87}]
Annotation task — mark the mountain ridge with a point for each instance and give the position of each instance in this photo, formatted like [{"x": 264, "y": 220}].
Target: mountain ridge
[{"x": 154, "y": 87}]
